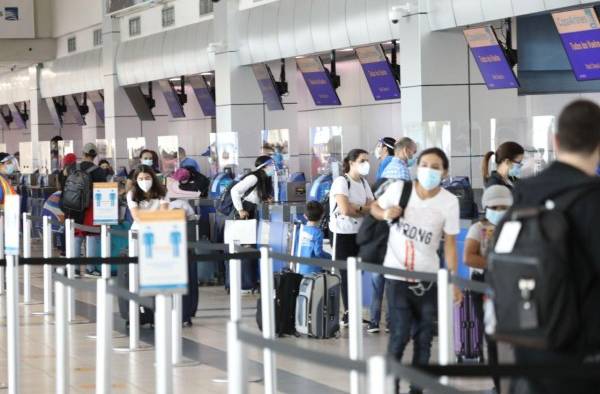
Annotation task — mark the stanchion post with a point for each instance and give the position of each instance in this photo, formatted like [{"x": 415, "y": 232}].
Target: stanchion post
[
  {"x": 445, "y": 320},
  {"x": 164, "y": 365},
  {"x": 12, "y": 322},
  {"x": 355, "y": 321},
  {"x": 235, "y": 285},
  {"x": 70, "y": 254},
  {"x": 26, "y": 254},
  {"x": 134, "y": 309},
  {"x": 47, "y": 253},
  {"x": 236, "y": 368},
  {"x": 2, "y": 270},
  {"x": 268, "y": 320},
  {"x": 104, "y": 320},
  {"x": 380, "y": 382},
  {"x": 62, "y": 340}
]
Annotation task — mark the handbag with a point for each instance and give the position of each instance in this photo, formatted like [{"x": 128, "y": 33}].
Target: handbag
[
  {"x": 242, "y": 231},
  {"x": 373, "y": 234}
]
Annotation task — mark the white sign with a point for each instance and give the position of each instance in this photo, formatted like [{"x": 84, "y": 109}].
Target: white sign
[
  {"x": 17, "y": 19},
  {"x": 242, "y": 231},
  {"x": 12, "y": 221},
  {"x": 106, "y": 203},
  {"x": 162, "y": 252}
]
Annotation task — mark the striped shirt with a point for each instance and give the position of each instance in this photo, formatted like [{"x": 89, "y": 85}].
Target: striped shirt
[{"x": 397, "y": 169}]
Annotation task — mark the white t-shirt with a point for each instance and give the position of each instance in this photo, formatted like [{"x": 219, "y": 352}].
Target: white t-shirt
[
  {"x": 414, "y": 241},
  {"x": 145, "y": 205},
  {"x": 240, "y": 188},
  {"x": 358, "y": 194},
  {"x": 482, "y": 232}
]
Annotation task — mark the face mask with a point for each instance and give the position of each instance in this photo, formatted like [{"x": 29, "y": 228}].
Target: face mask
[
  {"x": 429, "y": 178},
  {"x": 9, "y": 168},
  {"x": 145, "y": 185},
  {"x": 493, "y": 216},
  {"x": 270, "y": 171},
  {"x": 364, "y": 168},
  {"x": 515, "y": 170},
  {"x": 147, "y": 162},
  {"x": 411, "y": 162}
]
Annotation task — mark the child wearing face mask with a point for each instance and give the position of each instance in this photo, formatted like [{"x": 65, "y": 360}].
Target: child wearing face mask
[
  {"x": 350, "y": 199},
  {"x": 145, "y": 194},
  {"x": 254, "y": 188},
  {"x": 496, "y": 201}
]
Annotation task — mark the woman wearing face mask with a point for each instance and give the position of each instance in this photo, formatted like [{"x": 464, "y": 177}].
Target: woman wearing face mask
[
  {"x": 509, "y": 162},
  {"x": 432, "y": 212},
  {"x": 254, "y": 188},
  {"x": 496, "y": 201},
  {"x": 384, "y": 152},
  {"x": 350, "y": 200},
  {"x": 146, "y": 193}
]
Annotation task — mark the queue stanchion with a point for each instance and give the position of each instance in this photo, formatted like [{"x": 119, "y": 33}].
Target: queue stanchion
[
  {"x": 61, "y": 335},
  {"x": 26, "y": 226},
  {"x": 71, "y": 254},
  {"x": 236, "y": 360},
  {"x": 355, "y": 321},
  {"x": 12, "y": 322},
  {"x": 104, "y": 321},
  {"x": 46, "y": 253},
  {"x": 176, "y": 334},
  {"x": 445, "y": 320},
  {"x": 2, "y": 268},
  {"x": 162, "y": 327},
  {"x": 379, "y": 381},
  {"x": 268, "y": 320},
  {"x": 134, "y": 308}
]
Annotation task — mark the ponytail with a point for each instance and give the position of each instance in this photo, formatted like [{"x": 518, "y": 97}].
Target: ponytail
[
  {"x": 485, "y": 165},
  {"x": 507, "y": 151},
  {"x": 346, "y": 165}
]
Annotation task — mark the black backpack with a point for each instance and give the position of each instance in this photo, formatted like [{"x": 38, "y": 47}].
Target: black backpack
[
  {"x": 76, "y": 194},
  {"x": 461, "y": 187},
  {"x": 197, "y": 183},
  {"x": 373, "y": 234},
  {"x": 225, "y": 204},
  {"x": 535, "y": 294}
]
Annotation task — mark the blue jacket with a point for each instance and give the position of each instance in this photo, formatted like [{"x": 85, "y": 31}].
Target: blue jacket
[
  {"x": 310, "y": 243},
  {"x": 382, "y": 166}
]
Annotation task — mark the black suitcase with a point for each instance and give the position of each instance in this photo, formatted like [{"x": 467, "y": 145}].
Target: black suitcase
[{"x": 287, "y": 286}]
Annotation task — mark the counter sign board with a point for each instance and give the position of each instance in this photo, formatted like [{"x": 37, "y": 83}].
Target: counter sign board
[
  {"x": 12, "y": 221},
  {"x": 490, "y": 58},
  {"x": 162, "y": 252},
  {"x": 318, "y": 81},
  {"x": 106, "y": 203},
  {"x": 579, "y": 32},
  {"x": 378, "y": 72}
]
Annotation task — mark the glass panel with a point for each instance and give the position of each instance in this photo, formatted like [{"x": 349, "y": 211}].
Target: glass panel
[
  {"x": 225, "y": 148},
  {"x": 45, "y": 158},
  {"x": 135, "y": 146},
  {"x": 276, "y": 143},
  {"x": 26, "y": 157},
  {"x": 168, "y": 151},
  {"x": 326, "y": 150},
  {"x": 430, "y": 134}
]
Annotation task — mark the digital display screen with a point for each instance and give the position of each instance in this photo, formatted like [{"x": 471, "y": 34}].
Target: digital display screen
[
  {"x": 318, "y": 81},
  {"x": 268, "y": 87},
  {"x": 203, "y": 95},
  {"x": 139, "y": 102},
  {"x": 98, "y": 101},
  {"x": 20, "y": 123},
  {"x": 378, "y": 72},
  {"x": 579, "y": 32},
  {"x": 490, "y": 58},
  {"x": 172, "y": 98}
]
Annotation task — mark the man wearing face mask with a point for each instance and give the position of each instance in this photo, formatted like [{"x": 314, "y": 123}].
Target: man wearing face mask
[
  {"x": 404, "y": 158},
  {"x": 7, "y": 168},
  {"x": 384, "y": 152}
]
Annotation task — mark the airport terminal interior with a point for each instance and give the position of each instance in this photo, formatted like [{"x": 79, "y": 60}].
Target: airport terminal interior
[{"x": 299, "y": 196}]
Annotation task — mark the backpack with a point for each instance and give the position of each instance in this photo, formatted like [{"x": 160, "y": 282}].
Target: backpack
[
  {"x": 224, "y": 203},
  {"x": 76, "y": 195},
  {"x": 373, "y": 234},
  {"x": 324, "y": 224},
  {"x": 197, "y": 183},
  {"x": 460, "y": 186},
  {"x": 535, "y": 294}
]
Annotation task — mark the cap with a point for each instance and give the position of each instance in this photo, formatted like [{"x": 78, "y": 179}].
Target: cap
[
  {"x": 87, "y": 148},
  {"x": 497, "y": 195},
  {"x": 4, "y": 157},
  {"x": 69, "y": 159},
  {"x": 181, "y": 175}
]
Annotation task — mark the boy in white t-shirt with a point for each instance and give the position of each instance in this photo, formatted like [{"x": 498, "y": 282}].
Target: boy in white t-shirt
[{"x": 431, "y": 213}]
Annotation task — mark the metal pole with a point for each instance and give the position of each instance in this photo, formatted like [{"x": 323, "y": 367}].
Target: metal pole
[
  {"x": 69, "y": 254},
  {"x": 2, "y": 270},
  {"x": 235, "y": 285},
  {"x": 379, "y": 380},
  {"x": 12, "y": 322},
  {"x": 176, "y": 335},
  {"x": 355, "y": 321},
  {"x": 26, "y": 254},
  {"x": 104, "y": 320},
  {"x": 47, "y": 252},
  {"x": 445, "y": 321},
  {"x": 62, "y": 340},
  {"x": 236, "y": 369},
  {"x": 164, "y": 366},
  {"x": 268, "y": 320}
]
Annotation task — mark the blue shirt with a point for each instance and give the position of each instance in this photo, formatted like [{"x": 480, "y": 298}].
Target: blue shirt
[
  {"x": 382, "y": 166},
  {"x": 397, "y": 169},
  {"x": 310, "y": 243},
  {"x": 189, "y": 162}
]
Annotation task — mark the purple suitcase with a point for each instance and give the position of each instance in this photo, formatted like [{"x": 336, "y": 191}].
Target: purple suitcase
[{"x": 468, "y": 341}]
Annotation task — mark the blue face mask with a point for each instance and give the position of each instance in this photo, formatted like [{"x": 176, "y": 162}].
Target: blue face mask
[
  {"x": 429, "y": 178},
  {"x": 270, "y": 171},
  {"x": 494, "y": 216},
  {"x": 9, "y": 169},
  {"x": 147, "y": 162},
  {"x": 411, "y": 162},
  {"x": 515, "y": 170}
]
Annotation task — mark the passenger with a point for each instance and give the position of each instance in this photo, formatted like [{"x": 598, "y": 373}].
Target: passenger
[
  {"x": 7, "y": 168},
  {"x": 254, "y": 188},
  {"x": 432, "y": 212},
  {"x": 496, "y": 201},
  {"x": 509, "y": 161},
  {"x": 350, "y": 199},
  {"x": 384, "y": 151},
  {"x": 174, "y": 181},
  {"x": 310, "y": 240},
  {"x": 577, "y": 147},
  {"x": 146, "y": 194},
  {"x": 147, "y": 158},
  {"x": 187, "y": 161},
  {"x": 105, "y": 165}
]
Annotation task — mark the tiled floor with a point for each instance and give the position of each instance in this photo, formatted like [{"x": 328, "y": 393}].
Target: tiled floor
[{"x": 205, "y": 341}]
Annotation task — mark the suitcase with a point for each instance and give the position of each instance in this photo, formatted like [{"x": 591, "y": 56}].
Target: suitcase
[
  {"x": 468, "y": 331},
  {"x": 318, "y": 305},
  {"x": 287, "y": 286}
]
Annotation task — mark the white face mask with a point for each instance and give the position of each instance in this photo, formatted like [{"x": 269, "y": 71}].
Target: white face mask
[
  {"x": 364, "y": 168},
  {"x": 145, "y": 184}
]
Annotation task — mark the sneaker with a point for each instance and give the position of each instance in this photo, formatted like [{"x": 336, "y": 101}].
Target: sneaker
[
  {"x": 92, "y": 274},
  {"x": 344, "y": 322},
  {"x": 373, "y": 328}
]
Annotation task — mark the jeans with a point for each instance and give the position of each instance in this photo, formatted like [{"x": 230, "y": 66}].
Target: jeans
[
  {"x": 345, "y": 246},
  {"x": 378, "y": 286},
  {"x": 407, "y": 310},
  {"x": 92, "y": 248}
]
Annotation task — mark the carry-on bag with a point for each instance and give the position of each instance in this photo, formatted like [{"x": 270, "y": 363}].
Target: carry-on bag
[
  {"x": 318, "y": 305},
  {"x": 287, "y": 286},
  {"x": 468, "y": 331}
]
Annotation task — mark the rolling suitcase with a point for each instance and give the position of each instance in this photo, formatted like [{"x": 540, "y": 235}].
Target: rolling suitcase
[
  {"x": 287, "y": 286},
  {"x": 318, "y": 305},
  {"x": 468, "y": 331}
]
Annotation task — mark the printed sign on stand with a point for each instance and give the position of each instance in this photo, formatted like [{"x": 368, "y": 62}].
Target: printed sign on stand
[
  {"x": 106, "y": 203},
  {"x": 163, "y": 252},
  {"x": 12, "y": 224}
]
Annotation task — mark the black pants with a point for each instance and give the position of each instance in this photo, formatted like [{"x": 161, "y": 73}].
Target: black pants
[{"x": 345, "y": 246}]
